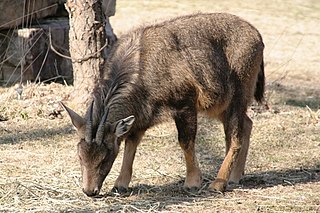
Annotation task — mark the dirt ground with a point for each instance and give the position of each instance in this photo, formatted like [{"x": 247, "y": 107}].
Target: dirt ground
[{"x": 39, "y": 168}]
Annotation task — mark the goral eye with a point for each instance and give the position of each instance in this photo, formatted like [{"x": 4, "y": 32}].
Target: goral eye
[{"x": 109, "y": 146}]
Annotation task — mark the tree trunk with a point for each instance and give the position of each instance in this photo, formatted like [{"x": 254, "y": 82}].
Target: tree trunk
[{"x": 86, "y": 43}]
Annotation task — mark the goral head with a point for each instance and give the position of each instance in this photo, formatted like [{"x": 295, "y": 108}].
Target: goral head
[{"x": 98, "y": 147}]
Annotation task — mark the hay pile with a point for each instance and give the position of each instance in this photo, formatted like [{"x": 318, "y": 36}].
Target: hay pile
[{"x": 39, "y": 168}]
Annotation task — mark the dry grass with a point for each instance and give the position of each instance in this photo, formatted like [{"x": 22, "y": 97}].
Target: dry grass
[{"x": 39, "y": 169}]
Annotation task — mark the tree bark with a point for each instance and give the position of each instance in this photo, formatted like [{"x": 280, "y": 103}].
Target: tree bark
[{"x": 87, "y": 40}]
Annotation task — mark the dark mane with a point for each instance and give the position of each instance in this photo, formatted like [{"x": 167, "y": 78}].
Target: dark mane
[{"x": 120, "y": 75}]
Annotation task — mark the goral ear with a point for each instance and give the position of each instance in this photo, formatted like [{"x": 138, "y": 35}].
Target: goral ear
[
  {"x": 77, "y": 121},
  {"x": 124, "y": 125}
]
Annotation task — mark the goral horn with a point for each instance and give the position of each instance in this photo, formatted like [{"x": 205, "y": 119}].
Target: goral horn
[
  {"x": 100, "y": 131},
  {"x": 88, "y": 134}
]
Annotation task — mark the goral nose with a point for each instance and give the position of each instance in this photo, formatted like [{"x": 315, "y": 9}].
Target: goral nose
[{"x": 90, "y": 193}]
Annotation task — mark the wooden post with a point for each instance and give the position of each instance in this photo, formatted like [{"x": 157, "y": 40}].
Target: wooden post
[{"x": 86, "y": 44}]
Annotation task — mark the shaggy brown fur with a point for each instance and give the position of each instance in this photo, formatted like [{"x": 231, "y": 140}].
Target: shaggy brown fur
[{"x": 210, "y": 63}]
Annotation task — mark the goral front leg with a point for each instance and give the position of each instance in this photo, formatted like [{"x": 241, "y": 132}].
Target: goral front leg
[
  {"x": 124, "y": 178},
  {"x": 186, "y": 123}
]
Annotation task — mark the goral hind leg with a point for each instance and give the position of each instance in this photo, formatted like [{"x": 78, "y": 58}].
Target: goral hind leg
[
  {"x": 238, "y": 169},
  {"x": 237, "y": 127}
]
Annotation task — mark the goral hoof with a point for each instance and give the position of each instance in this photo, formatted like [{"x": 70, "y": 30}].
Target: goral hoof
[
  {"x": 192, "y": 190},
  {"x": 218, "y": 185},
  {"x": 119, "y": 190}
]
